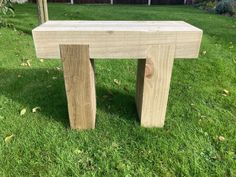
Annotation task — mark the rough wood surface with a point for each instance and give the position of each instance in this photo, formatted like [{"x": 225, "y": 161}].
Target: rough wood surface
[
  {"x": 80, "y": 85},
  {"x": 153, "y": 82},
  {"x": 154, "y": 43},
  {"x": 139, "y": 84},
  {"x": 117, "y": 39}
]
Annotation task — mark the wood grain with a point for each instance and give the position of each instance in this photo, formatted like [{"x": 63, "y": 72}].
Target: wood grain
[
  {"x": 153, "y": 82},
  {"x": 154, "y": 43},
  {"x": 139, "y": 85},
  {"x": 80, "y": 85},
  {"x": 117, "y": 39}
]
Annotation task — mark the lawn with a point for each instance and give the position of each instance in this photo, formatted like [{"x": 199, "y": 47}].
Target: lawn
[{"x": 198, "y": 139}]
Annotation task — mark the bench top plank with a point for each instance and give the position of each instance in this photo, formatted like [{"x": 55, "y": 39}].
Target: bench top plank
[
  {"x": 142, "y": 26},
  {"x": 117, "y": 39}
]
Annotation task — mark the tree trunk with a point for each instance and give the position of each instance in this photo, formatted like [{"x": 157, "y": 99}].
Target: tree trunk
[{"x": 42, "y": 11}]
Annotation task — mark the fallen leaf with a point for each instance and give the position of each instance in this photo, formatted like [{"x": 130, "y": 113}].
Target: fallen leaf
[
  {"x": 214, "y": 157},
  {"x": 116, "y": 82},
  {"x": 226, "y": 92},
  {"x": 28, "y": 63},
  {"x": 9, "y": 138},
  {"x": 34, "y": 110},
  {"x": 204, "y": 52},
  {"x": 221, "y": 138},
  {"x": 126, "y": 88},
  {"x": 231, "y": 47},
  {"x": 41, "y": 60},
  {"x": 58, "y": 68},
  {"x": 23, "y": 64},
  {"x": 78, "y": 151},
  {"x": 23, "y": 111}
]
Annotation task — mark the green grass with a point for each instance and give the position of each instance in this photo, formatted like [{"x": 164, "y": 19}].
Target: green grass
[{"x": 197, "y": 113}]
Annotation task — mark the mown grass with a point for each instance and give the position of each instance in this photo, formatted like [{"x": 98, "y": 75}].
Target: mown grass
[{"x": 198, "y": 113}]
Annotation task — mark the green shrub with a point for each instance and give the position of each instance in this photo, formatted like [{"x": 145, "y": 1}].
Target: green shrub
[
  {"x": 211, "y": 5},
  {"x": 226, "y": 6},
  {"x": 206, "y": 4},
  {"x": 6, "y": 7}
]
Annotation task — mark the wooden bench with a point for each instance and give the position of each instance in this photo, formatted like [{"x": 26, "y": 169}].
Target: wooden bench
[{"x": 154, "y": 43}]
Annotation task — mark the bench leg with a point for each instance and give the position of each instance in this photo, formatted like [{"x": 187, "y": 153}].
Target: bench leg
[
  {"x": 80, "y": 85},
  {"x": 153, "y": 82}
]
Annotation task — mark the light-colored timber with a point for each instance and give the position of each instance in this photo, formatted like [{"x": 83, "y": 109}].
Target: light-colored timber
[
  {"x": 117, "y": 39},
  {"x": 80, "y": 85},
  {"x": 154, "y": 43},
  {"x": 153, "y": 82}
]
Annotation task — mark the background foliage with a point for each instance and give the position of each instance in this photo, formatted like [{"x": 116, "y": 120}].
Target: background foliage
[
  {"x": 219, "y": 7},
  {"x": 6, "y": 7},
  {"x": 226, "y": 6}
]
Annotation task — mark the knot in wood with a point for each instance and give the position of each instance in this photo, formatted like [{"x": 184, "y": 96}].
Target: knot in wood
[{"x": 149, "y": 68}]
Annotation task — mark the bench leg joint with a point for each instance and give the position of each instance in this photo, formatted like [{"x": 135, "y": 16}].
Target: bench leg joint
[
  {"x": 80, "y": 85},
  {"x": 153, "y": 82}
]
